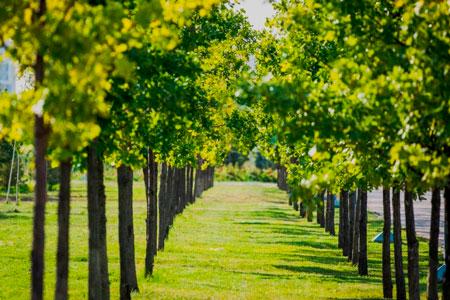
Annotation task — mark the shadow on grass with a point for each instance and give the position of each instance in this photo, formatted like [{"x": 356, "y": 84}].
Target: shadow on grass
[
  {"x": 13, "y": 214},
  {"x": 334, "y": 275}
]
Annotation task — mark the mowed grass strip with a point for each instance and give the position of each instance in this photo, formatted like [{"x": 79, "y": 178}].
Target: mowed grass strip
[{"x": 239, "y": 241}]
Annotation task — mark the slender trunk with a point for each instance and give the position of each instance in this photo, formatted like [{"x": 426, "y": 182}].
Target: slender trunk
[
  {"x": 340, "y": 225},
  {"x": 351, "y": 219},
  {"x": 356, "y": 227},
  {"x": 330, "y": 213},
  {"x": 327, "y": 212},
  {"x": 322, "y": 210},
  {"x": 398, "y": 256},
  {"x": 295, "y": 205},
  {"x": 41, "y": 133},
  {"x": 446, "y": 280},
  {"x": 151, "y": 182},
  {"x": 128, "y": 280},
  {"x": 162, "y": 206},
  {"x": 302, "y": 210},
  {"x": 62, "y": 256},
  {"x": 432, "y": 288},
  {"x": 362, "y": 259},
  {"x": 345, "y": 224},
  {"x": 387, "y": 277},
  {"x": 413, "y": 248},
  {"x": 98, "y": 259}
]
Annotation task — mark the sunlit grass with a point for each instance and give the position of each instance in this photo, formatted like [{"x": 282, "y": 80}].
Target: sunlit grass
[{"x": 240, "y": 241}]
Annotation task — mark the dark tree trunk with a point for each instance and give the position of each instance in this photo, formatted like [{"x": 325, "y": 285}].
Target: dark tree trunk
[
  {"x": 62, "y": 256},
  {"x": 362, "y": 259},
  {"x": 330, "y": 213},
  {"x": 41, "y": 133},
  {"x": 320, "y": 211},
  {"x": 40, "y": 193},
  {"x": 356, "y": 227},
  {"x": 302, "y": 210},
  {"x": 398, "y": 256},
  {"x": 151, "y": 183},
  {"x": 387, "y": 277},
  {"x": 432, "y": 288},
  {"x": 446, "y": 281},
  {"x": 128, "y": 280},
  {"x": 162, "y": 205},
  {"x": 327, "y": 212},
  {"x": 413, "y": 248},
  {"x": 98, "y": 259},
  {"x": 351, "y": 219},
  {"x": 340, "y": 225},
  {"x": 295, "y": 205},
  {"x": 345, "y": 224}
]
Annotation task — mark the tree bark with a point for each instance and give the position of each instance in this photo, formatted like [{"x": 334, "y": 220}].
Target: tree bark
[
  {"x": 62, "y": 256},
  {"x": 327, "y": 212},
  {"x": 432, "y": 288},
  {"x": 446, "y": 280},
  {"x": 320, "y": 211},
  {"x": 351, "y": 216},
  {"x": 413, "y": 248},
  {"x": 356, "y": 227},
  {"x": 330, "y": 213},
  {"x": 387, "y": 277},
  {"x": 162, "y": 206},
  {"x": 98, "y": 259},
  {"x": 128, "y": 280},
  {"x": 398, "y": 256},
  {"x": 302, "y": 210},
  {"x": 341, "y": 224},
  {"x": 151, "y": 183},
  {"x": 345, "y": 224},
  {"x": 362, "y": 259},
  {"x": 41, "y": 133}
]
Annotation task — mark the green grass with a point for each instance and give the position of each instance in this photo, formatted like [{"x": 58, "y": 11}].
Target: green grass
[{"x": 240, "y": 241}]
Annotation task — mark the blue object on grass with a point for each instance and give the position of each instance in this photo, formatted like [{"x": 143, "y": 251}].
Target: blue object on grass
[
  {"x": 379, "y": 238},
  {"x": 440, "y": 273}
]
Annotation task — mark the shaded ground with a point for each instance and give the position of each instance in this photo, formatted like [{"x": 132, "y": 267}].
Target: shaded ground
[{"x": 240, "y": 241}]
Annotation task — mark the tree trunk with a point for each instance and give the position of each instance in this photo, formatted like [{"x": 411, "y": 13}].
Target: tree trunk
[
  {"x": 413, "y": 248},
  {"x": 340, "y": 225},
  {"x": 330, "y": 213},
  {"x": 128, "y": 280},
  {"x": 320, "y": 208},
  {"x": 62, "y": 256},
  {"x": 398, "y": 256},
  {"x": 151, "y": 183},
  {"x": 362, "y": 259},
  {"x": 98, "y": 259},
  {"x": 387, "y": 277},
  {"x": 351, "y": 213},
  {"x": 432, "y": 288},
  {"x": 162, "y": 206},
  {"x": 302, "y": 210},
  {"x": 356, "y": 227},
  {"x": 345, "y": 224},
  {"x": 446, "y": 281},
  {"x": 41, "y": 133},
  {"x": 327, "y": 212}
]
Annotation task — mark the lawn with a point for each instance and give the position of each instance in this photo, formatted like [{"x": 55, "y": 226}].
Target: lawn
[{"x": 239, "y": 241}]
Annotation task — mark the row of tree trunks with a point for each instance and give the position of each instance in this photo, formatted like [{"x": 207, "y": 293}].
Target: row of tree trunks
[{"x": 178, "y": 188}]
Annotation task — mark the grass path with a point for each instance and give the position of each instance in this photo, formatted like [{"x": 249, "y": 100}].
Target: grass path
[{"x": 239, "y": 241}]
